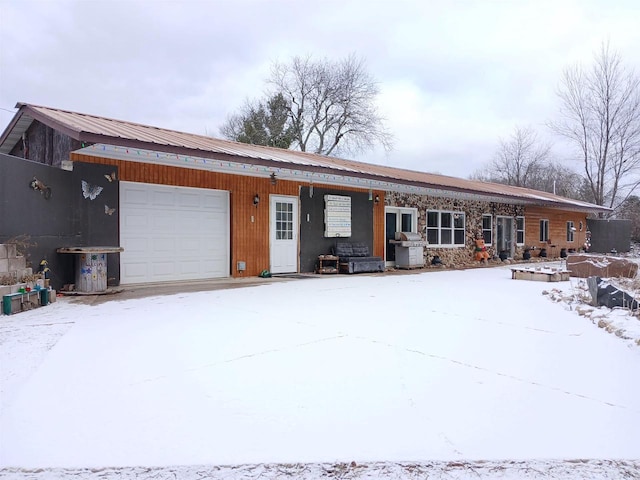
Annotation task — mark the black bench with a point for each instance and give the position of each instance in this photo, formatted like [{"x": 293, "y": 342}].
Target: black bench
[{"x": 354, "y": 257}]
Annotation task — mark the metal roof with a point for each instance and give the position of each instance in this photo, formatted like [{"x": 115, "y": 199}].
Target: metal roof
[{"x": 95, "y": 129}]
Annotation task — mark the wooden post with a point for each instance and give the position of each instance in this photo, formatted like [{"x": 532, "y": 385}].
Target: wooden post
[{"x": 592, "y": 283}]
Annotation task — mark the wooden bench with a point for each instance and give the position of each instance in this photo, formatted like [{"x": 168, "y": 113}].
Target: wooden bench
[{"x": 540, "y": 274}]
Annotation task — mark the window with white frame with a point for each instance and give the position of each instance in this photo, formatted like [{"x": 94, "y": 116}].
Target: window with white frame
[
  {"x": 544, "y": 230},
  {"x": 570, "y": 230},
  {"x": 445, "y": 229},
  {"x": 487, "y": 229},
  {"x": 519, "y": 230}
]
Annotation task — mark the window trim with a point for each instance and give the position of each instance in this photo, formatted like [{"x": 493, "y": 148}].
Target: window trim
[
  {"x": 571, "y": 229},
  {"x": 544, "y": 221},
  {"x": 453, "y": 229},
  {"x": 490, "y": 229},
  {"x": 524, "y": 227}
]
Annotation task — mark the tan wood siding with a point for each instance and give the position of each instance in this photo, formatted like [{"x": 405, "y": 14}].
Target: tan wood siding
[
  {"x": 378, "y": 226},
  {"x": 249, "y": 224},
  {"x": 557, "y": 228}
]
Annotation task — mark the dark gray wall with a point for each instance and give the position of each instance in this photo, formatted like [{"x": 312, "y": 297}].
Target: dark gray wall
[
  {"x": 607, "y": 235},
  {"x": 312, "y": 240},
  {"x": 93, "y": 222},
  {"x": 65, "y": 219}
]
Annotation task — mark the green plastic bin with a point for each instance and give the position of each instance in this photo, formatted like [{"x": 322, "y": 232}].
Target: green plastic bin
[
  {"x": 6, "y": 304},
  {"x": 44, "y": 297}
]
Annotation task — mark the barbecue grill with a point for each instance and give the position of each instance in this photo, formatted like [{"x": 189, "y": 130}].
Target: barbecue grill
[{"x": 409, "y": 250}]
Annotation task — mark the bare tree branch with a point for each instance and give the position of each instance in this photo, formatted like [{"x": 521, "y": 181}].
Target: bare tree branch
[
  {"x": 600, "y": 116},
  {"x": 332, "y": 105}
]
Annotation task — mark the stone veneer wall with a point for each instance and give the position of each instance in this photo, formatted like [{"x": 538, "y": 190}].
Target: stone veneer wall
[{"x": 473, "y": 210}]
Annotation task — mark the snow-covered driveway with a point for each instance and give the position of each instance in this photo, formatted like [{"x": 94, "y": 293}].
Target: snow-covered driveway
[{"x": 449, "y": 366}]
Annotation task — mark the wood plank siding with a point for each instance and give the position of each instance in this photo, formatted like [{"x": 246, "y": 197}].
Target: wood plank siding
[
  {"x": 249, "y": 225},
  {"x": 557, "y": 228}
]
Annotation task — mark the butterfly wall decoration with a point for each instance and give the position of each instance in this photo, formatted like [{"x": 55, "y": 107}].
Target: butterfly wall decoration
[
  {"x": 90, "y": 191},
  {"x": 109, "y": 211},
  {"x": 111, "y": 177}
]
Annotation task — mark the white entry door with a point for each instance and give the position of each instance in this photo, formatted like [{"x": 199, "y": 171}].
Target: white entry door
[{"x": 283, "y": 234}]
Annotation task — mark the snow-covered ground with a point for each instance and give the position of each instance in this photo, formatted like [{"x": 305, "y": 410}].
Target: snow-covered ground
[{"x": 447, "y": 374}]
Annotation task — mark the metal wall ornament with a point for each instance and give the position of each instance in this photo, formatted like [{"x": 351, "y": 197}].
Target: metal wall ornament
[
  {"x": 90, "y": 191},
  {"x": 38, "y": 186}
]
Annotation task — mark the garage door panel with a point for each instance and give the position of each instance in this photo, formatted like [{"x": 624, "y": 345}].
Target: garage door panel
[
  {"x": 163, "y": 198},
  {"x": 192, "y": 221},
  {"x": 163, "y": 268},
  {"x": 163, "y": 246},
  {"x": 135, "y": 196},
  {"x": 189, "y": 200},
  {"x": 215, "y": 265},
  {"x": 134, "y": 221},
  {"x": 173, "y": 233},
  {"x": 137, "y": 245},
  {"x": 138, "y": 272},
  {"x": 190, "y": 267},
  {"x": 190, "y": 247},
  {"x": 163, "y": 222}
]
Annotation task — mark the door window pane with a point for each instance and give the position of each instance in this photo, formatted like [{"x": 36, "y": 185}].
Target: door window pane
[
  {"x": 407, "y": 222},
  {"x": 284, "y": 221}
]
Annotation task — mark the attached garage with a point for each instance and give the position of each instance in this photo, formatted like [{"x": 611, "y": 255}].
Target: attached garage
[{"x": 173, "y": 233}]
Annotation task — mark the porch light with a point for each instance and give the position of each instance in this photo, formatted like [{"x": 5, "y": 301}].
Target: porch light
[
  {"x": 274, "y": 179},
  {"x": 376, "y": 199},
  {"x": 256, "y": 200}
]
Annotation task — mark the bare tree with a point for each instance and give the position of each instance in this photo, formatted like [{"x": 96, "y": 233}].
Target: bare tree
[
  {"x": 630, "y": 210},
  {"x": 550, "y": 176},
  {"x": 330, "y": 106},
  {"x": 525, "y": 161},
  {"x": 600, "y": 111},
  {"x": 553, "y": 177},
  {"x": 519, "y": 158}
]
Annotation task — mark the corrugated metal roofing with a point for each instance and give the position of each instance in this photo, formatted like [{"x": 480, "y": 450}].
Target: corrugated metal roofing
[{"x": 95, "y": 129}]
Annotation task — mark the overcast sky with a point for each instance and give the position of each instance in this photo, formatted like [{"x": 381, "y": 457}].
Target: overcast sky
[{"x": 454, "y": 76}]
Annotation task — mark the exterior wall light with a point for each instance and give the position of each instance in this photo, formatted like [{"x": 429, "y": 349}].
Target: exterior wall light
[{"x": 256, "y": 200}]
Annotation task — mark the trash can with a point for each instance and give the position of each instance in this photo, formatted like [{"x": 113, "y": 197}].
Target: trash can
[
  {"x": 44, "y": 296},
  {"x": 6, "y": 304}
]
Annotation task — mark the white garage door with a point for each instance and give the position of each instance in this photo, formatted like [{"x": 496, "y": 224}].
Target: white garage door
[{"x": 172, "y": 233}]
